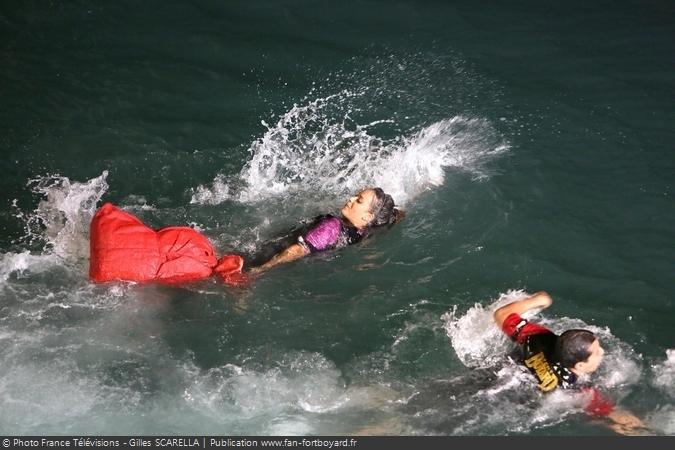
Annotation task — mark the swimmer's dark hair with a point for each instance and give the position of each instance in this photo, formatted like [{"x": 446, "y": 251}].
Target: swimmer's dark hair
[
  {"x": 383, "y": 209},
  {"x": 572, "y": 347}
]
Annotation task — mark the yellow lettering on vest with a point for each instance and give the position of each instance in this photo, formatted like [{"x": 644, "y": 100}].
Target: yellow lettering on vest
[{"x": 548, "y": 380}]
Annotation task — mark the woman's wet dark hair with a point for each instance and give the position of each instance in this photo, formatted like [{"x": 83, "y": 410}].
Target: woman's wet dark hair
[
  {"x": 573, "y": 346},
  {"x": 383, "y": 209}
]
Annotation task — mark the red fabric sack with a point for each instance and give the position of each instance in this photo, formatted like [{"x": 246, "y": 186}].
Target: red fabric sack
[{"x": 123, "y": 248}]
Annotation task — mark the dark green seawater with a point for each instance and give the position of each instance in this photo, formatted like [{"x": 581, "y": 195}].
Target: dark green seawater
[{"x": 530, "y": 143}]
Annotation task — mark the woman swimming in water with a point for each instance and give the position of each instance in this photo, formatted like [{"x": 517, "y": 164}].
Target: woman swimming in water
[
  {"x": 124, "y": 248},
  {"x": 362, "y": 214}
]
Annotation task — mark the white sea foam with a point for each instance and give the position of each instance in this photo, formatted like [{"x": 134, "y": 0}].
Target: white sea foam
[
  {"x": 664, "y": 374},
  {"x": 305, "y": 381},
  {"x": 37, "y": 394},
  {"x": 19, "y": 264},
  {"x": 662, "y": 419}
]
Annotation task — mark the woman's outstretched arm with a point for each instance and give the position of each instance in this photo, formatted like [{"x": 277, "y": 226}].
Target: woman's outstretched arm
[
  {"x": 295, "y": 251},
  {"x": 320, "y": 237}
]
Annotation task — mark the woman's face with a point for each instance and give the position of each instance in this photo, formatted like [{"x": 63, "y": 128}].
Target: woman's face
[{"x": 357, "y": 208}]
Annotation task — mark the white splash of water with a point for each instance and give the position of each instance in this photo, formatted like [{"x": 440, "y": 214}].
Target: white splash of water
[
  {"x": 289, "y": 426},
  {"x": 662, "y": 418},
  {"x": 664, "y": 374},
  {"x": 62, "y": 217},
  {"x": 305, "y": 381},
  {"x": 18, "y": 264},
  {"x": 318, "y": 148},
  {"x": 474, "y": 336},
  {"x": 60, "y": 224},
  {"x": 54, "y": 395},
  {"x": 214, "y": 195},
  {"x": 556, "y": 406}
]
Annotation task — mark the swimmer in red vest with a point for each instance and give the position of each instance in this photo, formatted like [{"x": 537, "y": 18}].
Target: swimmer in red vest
[
  {"x": 558, "y": 361},
  {"x": 363, "y": 213}
]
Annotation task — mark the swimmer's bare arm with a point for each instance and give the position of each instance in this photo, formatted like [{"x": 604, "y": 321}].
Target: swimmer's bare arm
[
  {"x": 295, "y": 251},
  {"x": 624, "y": 422},
  {"x": 539, "y": 300}
]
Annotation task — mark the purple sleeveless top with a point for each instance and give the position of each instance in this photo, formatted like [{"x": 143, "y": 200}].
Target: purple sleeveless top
[
  {"x": 323, "y": 235},
  {"x": 330, "y": 232}
]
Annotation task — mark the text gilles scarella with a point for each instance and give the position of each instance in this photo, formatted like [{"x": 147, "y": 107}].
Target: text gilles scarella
[{"x": 94, "y": 442}]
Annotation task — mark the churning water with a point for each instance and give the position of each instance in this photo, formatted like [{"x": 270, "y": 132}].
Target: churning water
[{"x": 531, "y": 149}]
